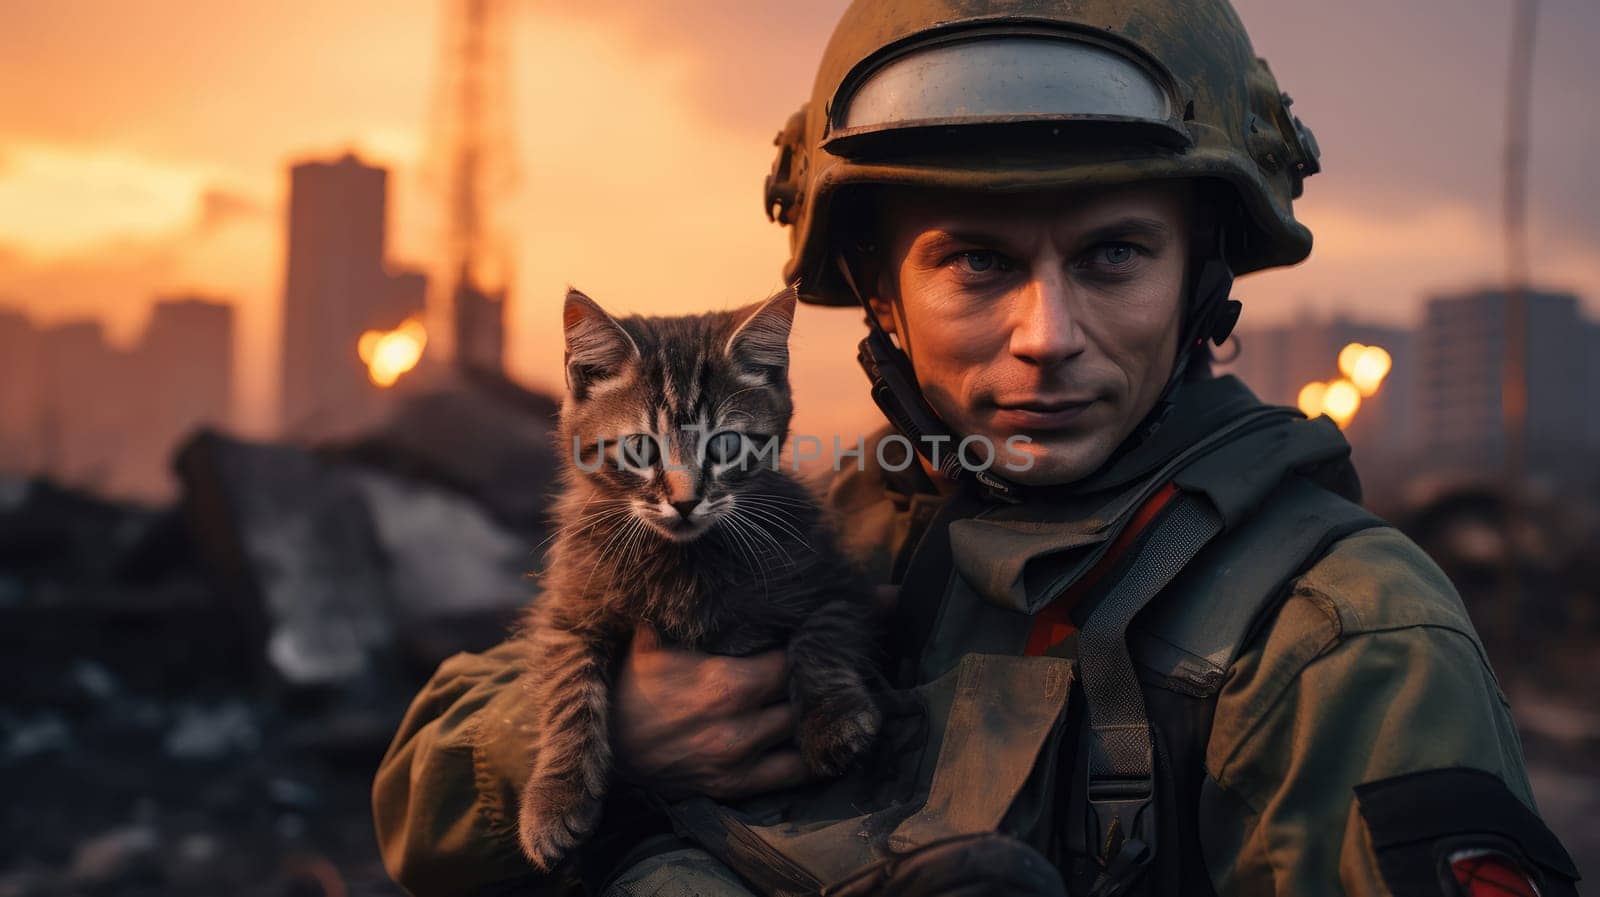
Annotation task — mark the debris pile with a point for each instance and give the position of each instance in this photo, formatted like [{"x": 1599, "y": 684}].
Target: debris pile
[{"x": 198, "y": 695}]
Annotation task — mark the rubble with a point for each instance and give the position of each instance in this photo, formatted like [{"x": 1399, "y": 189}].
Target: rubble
[
  {"x": 211, "y": 732},
  {"x": 396, "y": 548},
  {"x": 122, "y": 855},
  {"x": 44, "y": 734},
  {"x": 233, "y": 667},
  {"x": 94, "y": 680}
]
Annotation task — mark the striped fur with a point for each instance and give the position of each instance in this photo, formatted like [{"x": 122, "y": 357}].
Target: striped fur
[{"x": 754, "y": 566}]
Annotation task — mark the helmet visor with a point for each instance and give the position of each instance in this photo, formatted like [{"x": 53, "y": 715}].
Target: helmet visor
[{"x": 1001, "y": 79}]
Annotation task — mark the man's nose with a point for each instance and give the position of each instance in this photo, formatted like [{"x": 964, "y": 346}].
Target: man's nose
[{"x": 1045, "y": 329}]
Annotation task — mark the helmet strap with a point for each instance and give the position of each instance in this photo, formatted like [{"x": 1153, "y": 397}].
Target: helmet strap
[
  {"x": 897, "y": 395},
  {"x": 1209, "y": 315}
]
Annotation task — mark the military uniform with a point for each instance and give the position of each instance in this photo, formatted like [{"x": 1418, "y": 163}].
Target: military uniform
[
  {"x": 1367, "y": 670},
  {"x": 1202, "y": 669}
]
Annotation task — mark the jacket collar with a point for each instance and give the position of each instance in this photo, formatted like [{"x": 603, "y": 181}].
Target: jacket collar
[{"x": 1218, "y": 440}]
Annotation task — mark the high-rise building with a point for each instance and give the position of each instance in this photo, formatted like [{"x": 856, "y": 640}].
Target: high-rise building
[
  {"x": 1593, "y": 388},
  {"x": 85, "y": 413},
  {"x": 19, "y": 393},
  {"x": 1462, "y": 356},
  {"x": 187, "y": 352},
  {"x": 406, "y": 297},
  {"x": 480, "y": 325},
  {"x": 182, "y": 371},
  {"x": 88, "y": 403},
  {"x": 334, "y": 290}
]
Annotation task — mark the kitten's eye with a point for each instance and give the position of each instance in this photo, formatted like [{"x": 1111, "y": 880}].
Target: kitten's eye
[
  {"x": 724, "y": 446},
  {"x": 639, "y": 450}
]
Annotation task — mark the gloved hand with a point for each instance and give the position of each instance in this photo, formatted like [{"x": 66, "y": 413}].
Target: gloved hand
[{"x": 984, "y": 865}]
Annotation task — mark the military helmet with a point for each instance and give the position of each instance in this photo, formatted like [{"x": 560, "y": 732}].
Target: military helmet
[{"x": 1034, "y": 94}]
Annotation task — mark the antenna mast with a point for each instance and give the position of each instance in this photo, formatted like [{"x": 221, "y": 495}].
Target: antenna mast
[{"x": 480, "y": 169}]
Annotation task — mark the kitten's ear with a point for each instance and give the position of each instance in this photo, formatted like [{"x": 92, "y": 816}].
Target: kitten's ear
[
  {"x": 761, "y": 341},
  {"x": 597, "y": 346}
]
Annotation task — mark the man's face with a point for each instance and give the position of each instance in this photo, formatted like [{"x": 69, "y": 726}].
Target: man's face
[{"x": 1053, "y": 316}]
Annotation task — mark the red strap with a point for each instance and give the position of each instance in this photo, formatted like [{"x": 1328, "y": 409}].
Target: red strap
[{"x": 1054, "y": 623}]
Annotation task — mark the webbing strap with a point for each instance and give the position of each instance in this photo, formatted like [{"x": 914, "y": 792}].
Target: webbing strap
[
  {"x": 1121, "y": 766},
  {"x": 1055, "y": 622}
]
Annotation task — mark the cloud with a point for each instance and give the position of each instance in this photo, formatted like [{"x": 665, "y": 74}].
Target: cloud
[
  {"x": 1406, "y": 126},
  {"x": 220, "y": 207},
  {"x": 1378, "y": 264},
  {"x": 1409, "y": 123},
  {"x": 59, "y": 200},
  {"x": 751, "y": 63},
  {"x": 226, "y": 247}
]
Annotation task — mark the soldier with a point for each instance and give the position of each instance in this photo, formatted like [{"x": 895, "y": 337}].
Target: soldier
[{"x": 1159, "y": 649}]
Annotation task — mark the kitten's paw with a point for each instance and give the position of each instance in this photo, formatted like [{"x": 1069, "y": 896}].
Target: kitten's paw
[
  {"x": 838, "y": 732},
  {"x": 555, "y": 816}
]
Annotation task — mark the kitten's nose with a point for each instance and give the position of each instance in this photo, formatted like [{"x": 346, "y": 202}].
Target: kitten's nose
[{"x": 686, "y": 507}]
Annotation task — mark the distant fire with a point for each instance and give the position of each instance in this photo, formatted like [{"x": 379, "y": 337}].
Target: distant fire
[
  {"x": 1363, "y": 367},
  {"x": 388, "y": 354}
]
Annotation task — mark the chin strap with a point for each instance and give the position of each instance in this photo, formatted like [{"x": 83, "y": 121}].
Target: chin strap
[
  {"x": 897, "y": 395},
  {"x": 1212, "y": 314}
]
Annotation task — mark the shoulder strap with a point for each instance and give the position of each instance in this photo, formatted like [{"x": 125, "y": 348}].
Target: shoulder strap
[
  {"x": 1121, "y": 783},
  {"x": 1237, "y": 583}
]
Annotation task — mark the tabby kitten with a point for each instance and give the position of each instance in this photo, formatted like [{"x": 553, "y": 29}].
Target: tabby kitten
[{"x": 669, "y": 517}]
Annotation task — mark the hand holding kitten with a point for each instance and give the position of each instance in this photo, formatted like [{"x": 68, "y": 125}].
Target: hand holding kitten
[{"x": 688, "y": 723}]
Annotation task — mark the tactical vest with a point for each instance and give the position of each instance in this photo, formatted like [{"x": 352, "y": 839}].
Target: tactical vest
[{"x": 1092, "y": 753}]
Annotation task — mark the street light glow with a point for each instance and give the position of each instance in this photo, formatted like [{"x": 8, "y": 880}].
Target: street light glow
[
  {"x": 1365, "y": 367},
  {"x": 1341, "y": 401},
  {"x": 388, "y": 354}
]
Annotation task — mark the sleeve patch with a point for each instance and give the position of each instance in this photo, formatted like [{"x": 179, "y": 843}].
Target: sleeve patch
[
  {"x": 1480, "y": 872},
  {"x": 1462, "y": 832}
]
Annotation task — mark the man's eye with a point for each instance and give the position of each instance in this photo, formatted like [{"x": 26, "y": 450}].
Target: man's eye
[
  {"x": 982, "y": 261},
  {"x": 1116, "y": 255}
]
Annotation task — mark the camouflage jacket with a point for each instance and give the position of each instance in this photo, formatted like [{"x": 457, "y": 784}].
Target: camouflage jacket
[{"x": 1369, "y": 670}]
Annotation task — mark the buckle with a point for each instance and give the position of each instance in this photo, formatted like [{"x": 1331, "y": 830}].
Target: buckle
[
  {"x": 1118, "y": 810},
  {"x": 1122, "y": 824},
  {"x": 998, "y": 487}
]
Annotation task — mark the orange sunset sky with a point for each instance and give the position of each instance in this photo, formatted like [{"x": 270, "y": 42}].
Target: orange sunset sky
[{"x": 144, "y": 147}]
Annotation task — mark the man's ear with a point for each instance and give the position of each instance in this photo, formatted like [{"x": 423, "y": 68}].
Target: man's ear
[
  {"x": 881, "y": 288},
  {"x": 598, "y": 349},
  {"x": 760, "y": 344},
  {"x": 883, "y": 311}
]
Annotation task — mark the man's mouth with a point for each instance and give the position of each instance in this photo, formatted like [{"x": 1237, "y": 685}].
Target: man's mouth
[{"x": 1040, "y": 414}]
